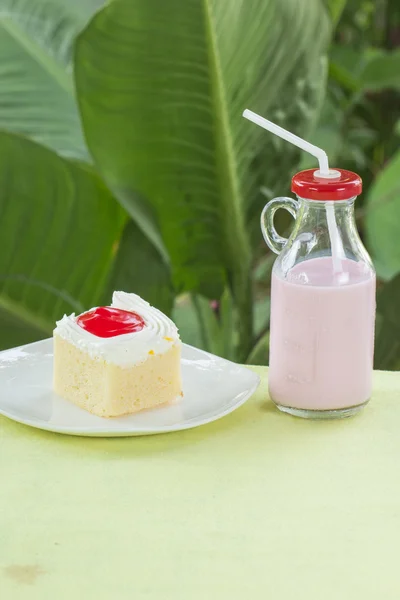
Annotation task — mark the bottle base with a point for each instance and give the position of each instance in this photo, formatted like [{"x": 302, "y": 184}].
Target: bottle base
[{"x": 305, "y": 413}]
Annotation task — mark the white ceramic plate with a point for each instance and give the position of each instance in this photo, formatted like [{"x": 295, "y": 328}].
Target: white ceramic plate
[{"x": 213, "y": 387}]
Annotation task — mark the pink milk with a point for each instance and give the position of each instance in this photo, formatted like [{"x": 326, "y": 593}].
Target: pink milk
[{"x": 322, "y": 335}]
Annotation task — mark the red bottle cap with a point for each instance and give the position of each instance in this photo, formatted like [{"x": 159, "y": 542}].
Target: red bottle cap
[{"x": 307, "y": 184}]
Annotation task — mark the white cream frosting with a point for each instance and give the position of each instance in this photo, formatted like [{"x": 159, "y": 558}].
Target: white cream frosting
[{"x": 158, "y": 335}]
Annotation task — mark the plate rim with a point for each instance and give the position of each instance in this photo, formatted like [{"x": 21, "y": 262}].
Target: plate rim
[{"x": 138, "y": 431}]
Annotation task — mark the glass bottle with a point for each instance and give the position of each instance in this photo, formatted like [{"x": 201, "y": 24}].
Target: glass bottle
[{"x": 322, "y": 300}]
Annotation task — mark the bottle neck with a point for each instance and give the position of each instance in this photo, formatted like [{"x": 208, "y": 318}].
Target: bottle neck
[
  {"x": 314, "y": 215},
  {"x": 338, "y": 205},
  {"x": 326, "y": 228}
]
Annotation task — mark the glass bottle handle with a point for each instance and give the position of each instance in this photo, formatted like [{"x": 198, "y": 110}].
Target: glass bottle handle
[{"x": 272, "y": 238}]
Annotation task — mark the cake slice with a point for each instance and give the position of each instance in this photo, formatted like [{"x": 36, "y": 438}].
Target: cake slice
[{"x": 118, "y": 360}]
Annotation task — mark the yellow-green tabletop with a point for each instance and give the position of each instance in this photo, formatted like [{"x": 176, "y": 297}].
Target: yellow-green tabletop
[{"x": 257, "y": 505}]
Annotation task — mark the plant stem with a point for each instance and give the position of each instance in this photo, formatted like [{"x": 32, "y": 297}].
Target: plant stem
[
  {"x": 205, "y": 340},
  {"x": 235, "y": 241}
]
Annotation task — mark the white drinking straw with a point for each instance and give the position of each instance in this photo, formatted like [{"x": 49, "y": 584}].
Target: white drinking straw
[{"x": 323, "y": 172}]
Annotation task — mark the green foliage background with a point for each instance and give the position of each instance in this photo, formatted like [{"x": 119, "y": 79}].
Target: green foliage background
[{"x": 125, "y": 162}]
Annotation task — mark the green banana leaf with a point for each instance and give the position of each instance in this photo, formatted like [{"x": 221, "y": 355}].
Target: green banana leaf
[
  {"x": 138, "y": 268},
  {"x": 336, "y": 8},
  {"x": 59, "y": 226},
  {"x": 387, "y": 338},
  {"x": 37, "y": 91},
  {"x": 382, "y": 220},
  {"x": 382, "y": 71},
  {"x": 161, "y": 87}
]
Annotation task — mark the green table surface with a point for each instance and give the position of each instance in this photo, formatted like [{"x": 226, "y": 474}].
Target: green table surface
[{"x": 257, "y": 505}]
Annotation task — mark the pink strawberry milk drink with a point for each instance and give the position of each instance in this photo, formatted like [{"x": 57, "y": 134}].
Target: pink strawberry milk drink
[
  {"x": 322, "y": 309},
  {"x": 322, "y": 294}
]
